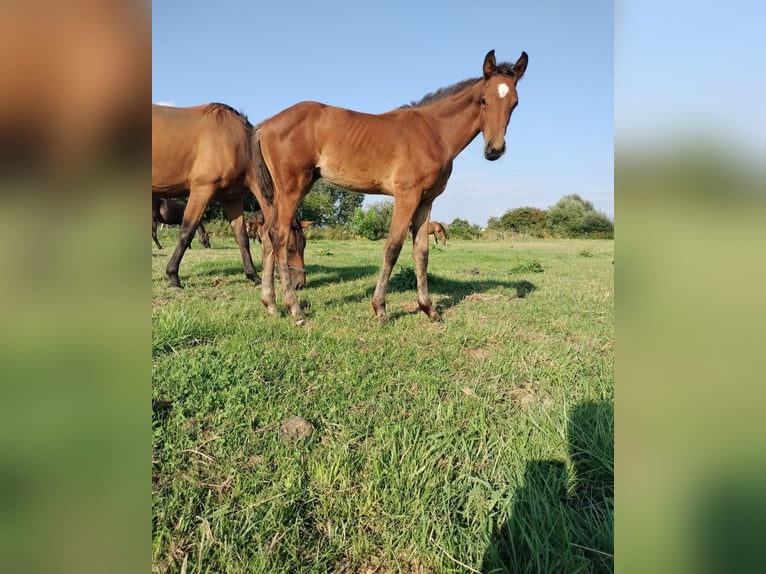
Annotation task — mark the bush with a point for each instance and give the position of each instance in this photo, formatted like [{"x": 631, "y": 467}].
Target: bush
[
  {"x": 572, "y": 216},
  {"x": 461, "y": 229},
  {"x": 373, "y": 223},
  {"x": 523, "y": 220}
]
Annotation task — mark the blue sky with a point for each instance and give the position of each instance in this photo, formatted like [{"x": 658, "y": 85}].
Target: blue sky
[
  {"x": 687, "y": 69},
  {"x": 261, "y": 57}
]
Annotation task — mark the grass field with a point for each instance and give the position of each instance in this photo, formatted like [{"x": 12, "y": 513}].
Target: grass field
[{"x": 483, "y": 443}]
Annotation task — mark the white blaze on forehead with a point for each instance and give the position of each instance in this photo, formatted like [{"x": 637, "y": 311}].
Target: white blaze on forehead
[{"x": 502, "y": 90}]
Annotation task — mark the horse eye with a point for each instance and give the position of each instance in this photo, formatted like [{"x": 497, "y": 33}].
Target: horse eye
[{"x": 483, "y": 101}]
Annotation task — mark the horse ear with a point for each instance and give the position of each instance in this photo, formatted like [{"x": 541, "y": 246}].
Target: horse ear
[
  {"x": 490, "y": 64},
  {"x": 305, "y": 224},
  {"x": 520, "y": 66}
]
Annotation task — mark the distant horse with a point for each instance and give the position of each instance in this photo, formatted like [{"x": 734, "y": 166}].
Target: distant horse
[
  {"x": 406, "y": 153},
  {"x": 205, "y": 153},
  {"x": 437, "y": 230},
  {"x": 254, "y": 226},
  {"x": 171, "y": 212}
]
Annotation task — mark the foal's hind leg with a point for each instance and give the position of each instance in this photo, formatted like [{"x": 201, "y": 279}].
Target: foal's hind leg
[
  {"x": 154, "y": 233},
  {"x": 203, "y": 236},
  {"x": 235, "y": 213},
  {"x": 420, "y": 255},
  {"x": 199, "y": 197}
]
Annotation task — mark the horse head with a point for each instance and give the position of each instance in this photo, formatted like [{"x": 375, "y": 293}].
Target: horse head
[
  {"x": 498, "y": 100},
  {"x": 296, "y": 245}
]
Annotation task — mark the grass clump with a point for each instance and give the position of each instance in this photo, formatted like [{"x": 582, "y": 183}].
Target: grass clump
[{"x": 529, "y": 267}]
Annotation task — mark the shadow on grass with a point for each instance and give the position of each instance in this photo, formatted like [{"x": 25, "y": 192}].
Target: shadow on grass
[
  {"x": 550, "y": 530},
  {"x": 446, "y": 292},
  {"x": 320, "y": 275}
]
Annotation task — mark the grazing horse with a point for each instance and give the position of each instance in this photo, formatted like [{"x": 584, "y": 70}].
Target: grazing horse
[
  {"x": 205, "y": 153},
  {"x": 171, "y": 212},
  {"x": 437, "y": 230},
  {"x": 254, "y": 226},
  {"x": 406, "y": 153}
]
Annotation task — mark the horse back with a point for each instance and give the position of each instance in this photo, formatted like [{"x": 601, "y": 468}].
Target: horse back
[
  {"x": 347, "y": 146},
  {"x": 198, "y": 145}
]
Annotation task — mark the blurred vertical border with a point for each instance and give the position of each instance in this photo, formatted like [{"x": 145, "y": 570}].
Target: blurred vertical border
[
  {"x": 75, "y": 287},
  {"x": 690, "y": 260}
]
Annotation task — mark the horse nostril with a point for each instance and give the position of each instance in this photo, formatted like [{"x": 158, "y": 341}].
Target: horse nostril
[{"x": 491, "y": 153}]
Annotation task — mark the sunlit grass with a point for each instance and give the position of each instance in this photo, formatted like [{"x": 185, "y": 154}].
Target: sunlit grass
[{"x": 481, "y": 441}]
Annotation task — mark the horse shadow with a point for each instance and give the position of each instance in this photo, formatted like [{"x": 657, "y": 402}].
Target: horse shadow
[
  {"x": 446, "y": 292},
  {"x": 321, "y": 275},
  {"x": 451, "y": 291},
  {"x": 561, "y": 523}
]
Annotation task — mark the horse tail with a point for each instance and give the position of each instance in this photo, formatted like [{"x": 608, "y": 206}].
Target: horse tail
[{"x": 262, "y": 173}]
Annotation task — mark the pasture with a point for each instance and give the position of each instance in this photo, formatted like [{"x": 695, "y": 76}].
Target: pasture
[{"x": 483, "y": 443}]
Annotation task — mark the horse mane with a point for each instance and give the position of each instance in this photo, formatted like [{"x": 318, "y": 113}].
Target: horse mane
[
  {"x": 220, "y": 111},
  {"x": 504, "y": 69}
]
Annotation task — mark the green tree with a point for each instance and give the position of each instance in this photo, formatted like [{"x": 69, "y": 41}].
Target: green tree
[
  {"x": 573, "y": 216},
  {"x": 373, "y": 223},
  {"x": 521, "y": 220},
  {"x": 328, "y": 204},
  {"x": 460, "y": 228},
  {"x": 214, "y": 210}
]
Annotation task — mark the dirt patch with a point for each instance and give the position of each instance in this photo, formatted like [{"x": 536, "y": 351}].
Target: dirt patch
[
  {"x": 527, "y": 394},
  {"x": 485, "y": 297},
  {"x": 477, "y": 353}
]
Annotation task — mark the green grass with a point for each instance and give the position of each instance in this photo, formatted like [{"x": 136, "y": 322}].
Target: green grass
[{"x": 481, "y": 443}]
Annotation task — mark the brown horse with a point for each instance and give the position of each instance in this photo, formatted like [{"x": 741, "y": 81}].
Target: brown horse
[
  {"x": 171, "y": 212},
  {"x": 437, "y": 230},
  {"x": 205, "y": 153},
  {"x": 406, "y": 153},
  {"x": 254, "y": 226}
]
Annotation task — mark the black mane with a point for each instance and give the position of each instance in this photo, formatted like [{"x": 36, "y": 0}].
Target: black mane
[
  {"x": 504, "y": 69},
  {"x": 219, "y": 111}
]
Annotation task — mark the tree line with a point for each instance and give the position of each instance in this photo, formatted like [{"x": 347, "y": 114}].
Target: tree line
[{"x": 333, "y": 208}]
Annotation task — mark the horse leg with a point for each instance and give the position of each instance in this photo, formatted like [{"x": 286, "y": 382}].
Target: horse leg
[
  {"x": 420, "y": 255},
  {"x": 279, "y": 238},
  {"x": 203, "y": 236},
  {"x": 154, "y": 233},
  {"x": 235, "y": 213},
  {"x": 199, "y": 197},
  {"x": 268, "y": 295},
  {"x": 397, "y": 232}
]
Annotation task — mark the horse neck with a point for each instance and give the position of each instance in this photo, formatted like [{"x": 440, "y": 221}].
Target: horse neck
[{"x": 457, "y": 118}]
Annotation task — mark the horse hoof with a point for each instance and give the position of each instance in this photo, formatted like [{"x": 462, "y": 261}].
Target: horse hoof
[{"x": 270, "y": 309}]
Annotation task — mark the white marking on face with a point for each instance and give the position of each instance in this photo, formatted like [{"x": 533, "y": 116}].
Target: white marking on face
[{"x": 502, "y": 90}]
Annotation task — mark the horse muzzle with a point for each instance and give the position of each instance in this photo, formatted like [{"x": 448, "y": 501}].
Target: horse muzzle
[
  {"x": 492, "y": 153},
  {"x": 298, "y": 277}
]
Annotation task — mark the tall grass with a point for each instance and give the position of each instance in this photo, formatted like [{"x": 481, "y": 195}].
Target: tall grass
[{"x": 482, "y": 443}]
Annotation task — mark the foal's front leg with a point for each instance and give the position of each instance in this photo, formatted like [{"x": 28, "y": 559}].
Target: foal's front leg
[
  {"x": 397, "y": 232},
  {"x": 199, "y": 197},
  {"x": 268, "y": 295}
]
